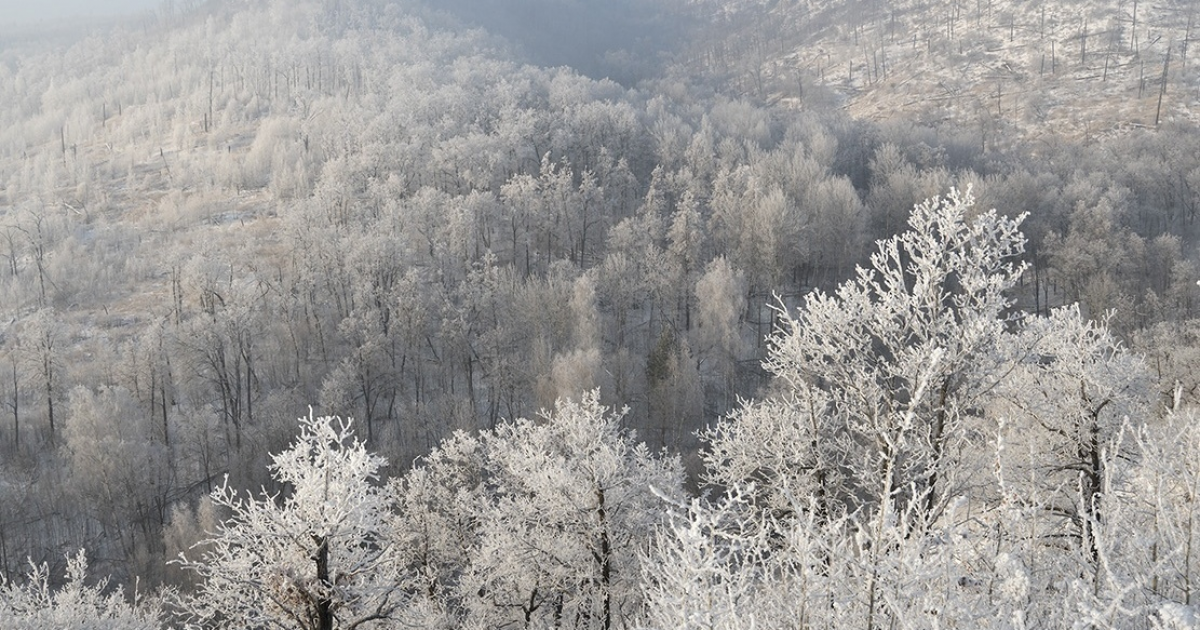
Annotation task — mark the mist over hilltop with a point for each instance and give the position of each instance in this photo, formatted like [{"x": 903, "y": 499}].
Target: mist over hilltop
[
  {"x": 624, "y": 40},
  {"x": 14, "y": 12}
]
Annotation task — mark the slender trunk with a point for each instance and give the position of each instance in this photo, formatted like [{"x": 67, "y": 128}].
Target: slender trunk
[
  {"x": 604, "y": 557},
  {"x": 49, "y": 371},
  {"x": 1092, "y": 480},
  {"x": 1162, "y": 88},
  {"x": 246, "y": 355},
  {"x": 938, "y": 441},
  {"x": 324, "y": 602},
  {"x": 16, "y": 406},
  {"x": 881, "y": 520},
  {"x": 162, "y": 400}
]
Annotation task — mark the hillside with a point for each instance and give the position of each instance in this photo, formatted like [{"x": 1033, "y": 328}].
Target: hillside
[
  {"x": 1002, "y": 69},
  {"x": 226, "y": 215}
]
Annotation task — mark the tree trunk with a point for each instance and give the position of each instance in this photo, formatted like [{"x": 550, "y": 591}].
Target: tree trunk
[
  {"x": 324, "y": 602},
  {"x": 49, "y": 372},
  {"x": 938, "y": 441},
  {"x": 16, "y": 406},
  {"x": 604, "y": 558}
]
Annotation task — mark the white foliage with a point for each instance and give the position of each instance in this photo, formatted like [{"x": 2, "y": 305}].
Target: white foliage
[
  {"x": 721, "y": 298},
  {"x": 538, "y": 521},
  {"x": 262, "y": 567},
  {"x": 1173, "y": 616},
  {"x": 35, "y": 605},
  {"x": 877, "y": 380},
  {"x": 1070, "y": 391},
  {"x": 873, "y": 506},
  {"x": 695, "y": 576}
]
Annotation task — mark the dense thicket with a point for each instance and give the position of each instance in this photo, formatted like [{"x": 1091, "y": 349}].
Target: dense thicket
[
  {"x": 222, "y": 215},
  {"x": 922, "y": 458}
]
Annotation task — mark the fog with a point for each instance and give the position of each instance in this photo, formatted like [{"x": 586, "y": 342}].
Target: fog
[
  {"x": 617, "y": 39},
  {"x": 24, "y": 12}
]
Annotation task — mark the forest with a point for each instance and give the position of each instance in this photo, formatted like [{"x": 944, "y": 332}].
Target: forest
[{"x": 324, "y": 314}]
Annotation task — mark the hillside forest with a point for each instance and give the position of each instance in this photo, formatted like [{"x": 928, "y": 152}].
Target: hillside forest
[{"x": 629, "y": 314}]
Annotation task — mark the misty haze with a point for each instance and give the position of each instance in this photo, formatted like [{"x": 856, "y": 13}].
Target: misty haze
[
  {"x": 48, "y": 11},
  {"x": 643, "y": 314}
]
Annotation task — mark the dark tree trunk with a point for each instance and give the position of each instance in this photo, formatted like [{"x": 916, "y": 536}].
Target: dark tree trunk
[
  {"x": 324, "y": 602},
  {"x": 604, "y": 558}
]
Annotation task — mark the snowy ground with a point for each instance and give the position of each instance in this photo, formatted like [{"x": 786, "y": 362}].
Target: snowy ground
[{"x": 1079, "y": 69}]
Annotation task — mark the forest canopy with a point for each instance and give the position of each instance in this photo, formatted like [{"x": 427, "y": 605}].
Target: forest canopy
[{"x": 662, "y": 331}]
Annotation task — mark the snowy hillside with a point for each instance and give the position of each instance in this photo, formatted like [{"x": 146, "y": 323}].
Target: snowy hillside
[
  {"x": 1000, "y": 66},
  {"x": 659, "y": 324}
]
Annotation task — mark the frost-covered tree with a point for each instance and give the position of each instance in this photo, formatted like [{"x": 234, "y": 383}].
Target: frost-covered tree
[
  {"x": 1155, "y": 531},
  {"x": 875, "y": 382},
  {"x": 36, "y": 604},
  {"x": 537, "y": 523},
  {"x": 317, "y": 557},
  {"x": 694, "y": 577},
  {"x": 41, "y": 344},
  {"x": 927, "y": 459},
  {"x": 727, "y": 564},
  {"x": 721, "y": 296},
  {"x": 118, "y": 467},
  {"x": 1070, "y": 392}
]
